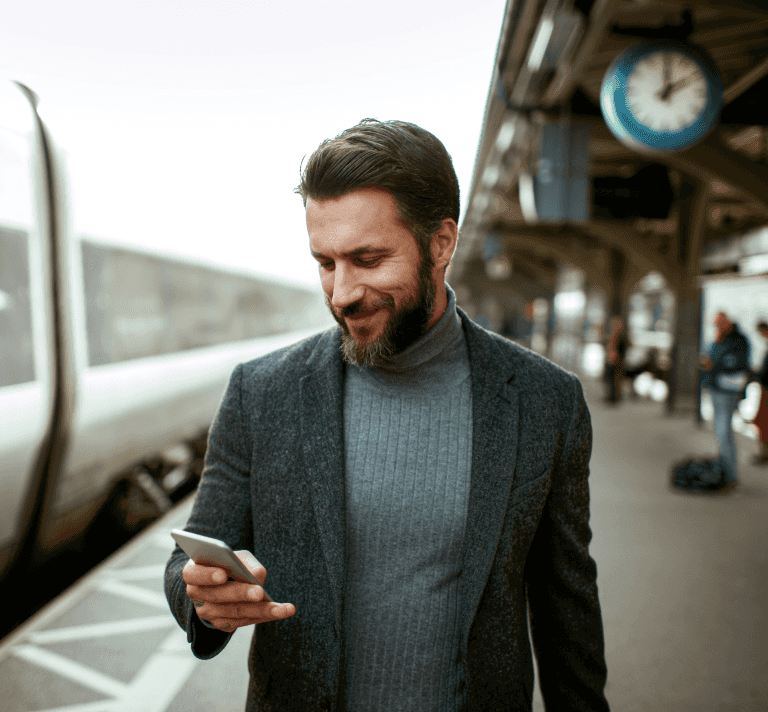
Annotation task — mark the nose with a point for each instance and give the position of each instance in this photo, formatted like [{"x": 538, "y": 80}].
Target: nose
[{"x": 347, "y": 287}]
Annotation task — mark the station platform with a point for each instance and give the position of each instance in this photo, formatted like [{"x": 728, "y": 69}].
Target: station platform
[
  {"x": 110, "y": 644},
  {"x": 682, "y": 581}
]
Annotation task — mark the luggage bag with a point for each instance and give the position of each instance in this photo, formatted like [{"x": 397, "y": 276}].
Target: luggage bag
[{"x": 699, "y": 475}]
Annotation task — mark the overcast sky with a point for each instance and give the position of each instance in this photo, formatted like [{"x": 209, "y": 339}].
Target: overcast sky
[{"x": 185, "y": 123}]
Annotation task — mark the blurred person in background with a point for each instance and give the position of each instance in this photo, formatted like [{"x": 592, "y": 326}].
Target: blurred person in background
[
  {"x": 760, "y": 420},
  {"x": 416, "y": 486},
  {"x": 725, "y": 375},
  {"x": 615, "y": 356}
]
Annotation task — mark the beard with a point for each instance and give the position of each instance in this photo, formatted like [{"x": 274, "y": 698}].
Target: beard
[{"x": 403, "y": 327}]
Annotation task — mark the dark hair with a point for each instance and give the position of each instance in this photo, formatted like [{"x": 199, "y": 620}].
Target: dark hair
[
  {"x": 402, "y": 158},
  {"x": 761, "y": 325}
]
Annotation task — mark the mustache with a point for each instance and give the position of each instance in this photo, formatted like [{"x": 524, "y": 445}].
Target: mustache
[{"x": 360, "y": 308}]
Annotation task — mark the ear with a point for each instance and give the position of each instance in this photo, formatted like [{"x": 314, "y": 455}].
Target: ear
[{"x": 444, "y": 243}]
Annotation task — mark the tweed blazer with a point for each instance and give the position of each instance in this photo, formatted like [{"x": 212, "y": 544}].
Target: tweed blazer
[{"x": 273, "y": 483}]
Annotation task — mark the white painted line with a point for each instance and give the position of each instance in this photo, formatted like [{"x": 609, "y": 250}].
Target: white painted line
[
  {"x": 134, "y": 593},
  {"x": 71, "y": 670},
  {"x": 159, "y": 680},
  {"x": 100, "y": 706},
  {"x": 134, "y": 573},
  {"x": 101, "y": 630},
  {"x": 163, "y": 539},
  {"x": 178, "y": 644}
]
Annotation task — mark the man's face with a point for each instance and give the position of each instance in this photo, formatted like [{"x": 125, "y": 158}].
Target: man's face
[
  {"x": 376, "y": 285},
  {"x": 722, "y": 324}
]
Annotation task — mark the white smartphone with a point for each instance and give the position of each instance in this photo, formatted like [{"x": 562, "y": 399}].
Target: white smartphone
[{"x": 214, "y": 552}]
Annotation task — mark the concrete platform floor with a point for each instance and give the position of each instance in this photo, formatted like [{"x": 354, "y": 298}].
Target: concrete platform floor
[{"x": 682, "y": 578}]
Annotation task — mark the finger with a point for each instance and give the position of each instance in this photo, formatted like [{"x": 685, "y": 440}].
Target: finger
[
  {"x": 229, "y": 625},
  {"x": 253, "y": 565},
  {"x": 254, "y": 613},
  {"x": 231, "y": 592},
  {"x": 200, "y": 575}
]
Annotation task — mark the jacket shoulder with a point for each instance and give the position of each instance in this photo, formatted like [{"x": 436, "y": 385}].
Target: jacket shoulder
[
  {"x": 290, "y": 362},
  {"x": 527, "y": 365}
]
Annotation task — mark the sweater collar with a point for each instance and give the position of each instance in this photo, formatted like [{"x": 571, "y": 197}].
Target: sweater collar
[
  {"x": 444, "y": 336},
  {"x": 437, "y": 360}
]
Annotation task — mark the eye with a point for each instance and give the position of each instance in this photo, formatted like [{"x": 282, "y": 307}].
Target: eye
[{"x": 369, "y": 262}]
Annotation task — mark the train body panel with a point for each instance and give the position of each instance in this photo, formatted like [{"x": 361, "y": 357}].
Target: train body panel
[{"x": 126, "y": 410}]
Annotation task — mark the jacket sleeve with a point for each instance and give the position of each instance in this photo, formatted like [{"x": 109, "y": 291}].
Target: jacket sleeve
[
  {"x": 566, "y": 624},
  {"x": 222, "y": 510}
]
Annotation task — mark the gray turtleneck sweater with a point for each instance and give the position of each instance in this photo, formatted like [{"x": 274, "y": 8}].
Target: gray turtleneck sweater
[{"x": 408, "y": 446}]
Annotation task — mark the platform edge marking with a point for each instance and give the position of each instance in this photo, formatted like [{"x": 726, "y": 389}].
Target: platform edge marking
[
  {"x": 160, "y": 679},
  {"x": 134, "y": 593},
  {"x": 100, "y": 630},
  {"x": 100, "y": 706},
  {"x": 136, "y": 572},
  {"x": 71, "y": 670}
]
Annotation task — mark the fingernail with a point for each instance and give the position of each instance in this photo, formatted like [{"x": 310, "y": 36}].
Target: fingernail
[
  {"x": 198, "y": 603},
  {"x": 252, "y": 592}
]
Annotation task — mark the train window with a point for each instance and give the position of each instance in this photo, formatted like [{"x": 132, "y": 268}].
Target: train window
[
  {"x": 124, "y": 306},
  {"x": 16, "y": 209},
  {"x": 188, "y": 298},
  {"x": 16, "y": 354},
  {"x": 139, "y": 305}
]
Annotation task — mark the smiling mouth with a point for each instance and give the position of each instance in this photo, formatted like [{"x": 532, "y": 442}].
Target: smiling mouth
[{"x": 361, "y": 316}]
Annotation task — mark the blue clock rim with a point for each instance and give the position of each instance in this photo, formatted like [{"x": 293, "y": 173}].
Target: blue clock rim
[{"x": 621, "y": 121}]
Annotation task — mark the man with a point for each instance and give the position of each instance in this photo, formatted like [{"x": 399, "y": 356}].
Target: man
[
  {"x": 725, "y": 375},
  {"x": 760, "y": 420},
  {"x": 616, "y": 352},
  {"x": 411, "y": 482}
]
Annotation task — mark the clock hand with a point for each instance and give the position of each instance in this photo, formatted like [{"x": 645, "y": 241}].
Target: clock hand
[
  {"x": 676, "y": 86},
  {"x": 667, "y": 69},
  {"x": 666, "y": 77}
]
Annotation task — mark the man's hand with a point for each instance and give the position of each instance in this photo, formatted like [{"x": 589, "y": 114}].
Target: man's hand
[{"x": 228, "y": 605}]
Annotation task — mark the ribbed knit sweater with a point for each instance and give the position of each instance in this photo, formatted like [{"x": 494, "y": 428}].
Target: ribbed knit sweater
[{"x": 408, "y": 442}]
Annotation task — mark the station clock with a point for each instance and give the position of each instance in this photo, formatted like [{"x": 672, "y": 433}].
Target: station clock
[{"x": 661, "y": 96}]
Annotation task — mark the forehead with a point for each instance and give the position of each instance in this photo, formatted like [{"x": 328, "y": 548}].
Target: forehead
[{"x": 368, "y": 214}]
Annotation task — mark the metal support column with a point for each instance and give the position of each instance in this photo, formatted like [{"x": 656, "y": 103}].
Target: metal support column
[{"x": 684, "y": 391}]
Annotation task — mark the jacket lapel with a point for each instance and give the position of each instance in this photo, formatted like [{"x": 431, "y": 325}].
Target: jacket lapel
[
  {"x": 322, "y": 430},
  {"x": 495, "y": 419}
]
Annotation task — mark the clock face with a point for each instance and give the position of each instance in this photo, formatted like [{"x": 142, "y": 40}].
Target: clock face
[
  {"x": 661, "y": 96},
  {"x": 667, "y": 91}
]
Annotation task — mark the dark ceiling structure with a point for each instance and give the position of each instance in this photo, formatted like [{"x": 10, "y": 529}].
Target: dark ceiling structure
[{"x": 630, "y": 210}]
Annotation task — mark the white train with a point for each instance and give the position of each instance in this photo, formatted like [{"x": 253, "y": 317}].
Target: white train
[{"x": 108, "y": 357}]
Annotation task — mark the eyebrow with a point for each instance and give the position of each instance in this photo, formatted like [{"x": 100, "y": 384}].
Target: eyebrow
[{"x": 352, "y": 253}]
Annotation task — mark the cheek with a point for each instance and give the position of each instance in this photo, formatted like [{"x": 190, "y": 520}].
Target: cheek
[
  {"x": 326, "y": 282},
  {"x": 397, "y": 279}
]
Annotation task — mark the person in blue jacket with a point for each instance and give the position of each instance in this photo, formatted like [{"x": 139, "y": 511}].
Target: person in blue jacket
[{"x": 726, "y": 374}]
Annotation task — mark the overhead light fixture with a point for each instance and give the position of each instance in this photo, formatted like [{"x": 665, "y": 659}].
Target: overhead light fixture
[{"x": 540, "y": 44}]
